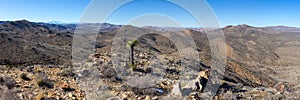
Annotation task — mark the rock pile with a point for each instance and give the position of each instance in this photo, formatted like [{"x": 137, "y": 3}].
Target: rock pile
[
  {"x": 39, "y": 82},
  {"x": 172, "y": 87}
]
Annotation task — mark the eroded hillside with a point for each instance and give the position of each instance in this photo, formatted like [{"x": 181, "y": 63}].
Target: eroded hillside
[{"x": 257, "y": 58}]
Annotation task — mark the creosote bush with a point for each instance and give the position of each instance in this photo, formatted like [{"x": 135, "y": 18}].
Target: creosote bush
[
  {"x": 45, "y": 83},
  {"x": 24, "y": 77}
]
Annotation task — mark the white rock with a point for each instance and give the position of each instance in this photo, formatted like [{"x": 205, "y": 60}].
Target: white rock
[
  {"x": 147, "y": 98},
  {"x": 176, "y": 91}
]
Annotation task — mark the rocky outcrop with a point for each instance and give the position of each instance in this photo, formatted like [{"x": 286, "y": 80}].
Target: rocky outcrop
[{"x": 241, "y": 73}]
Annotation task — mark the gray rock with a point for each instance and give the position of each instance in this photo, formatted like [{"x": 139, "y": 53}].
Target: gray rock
[
  {"x": 7, "y": 94},
  {"x": 176, "y": 91},
  {"x": 8, "y": 82},
  {"x": 107, "y": 71}
]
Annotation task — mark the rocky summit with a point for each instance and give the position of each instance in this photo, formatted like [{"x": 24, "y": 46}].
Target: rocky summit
[{"x": 38, "y": 63}]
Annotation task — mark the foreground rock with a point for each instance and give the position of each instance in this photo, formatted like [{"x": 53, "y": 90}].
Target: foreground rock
[
  {"x": 42, "y": 83},
  {"x": 117, "y": 88}
]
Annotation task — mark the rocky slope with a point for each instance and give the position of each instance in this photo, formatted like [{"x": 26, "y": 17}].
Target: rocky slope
[
  {"x": 248, "y": 46},
  {"x": 29, "y": 43},
  {"x": 39, "y": 82},
  {"x": 251, "y": 54}
]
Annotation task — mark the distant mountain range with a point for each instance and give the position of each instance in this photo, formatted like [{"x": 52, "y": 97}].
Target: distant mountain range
[
  {"x": 284, "y": 28},
  {"x": 62, "y": 26},
  {"x": 1, "y": 22},
  {"x": 28, "y": 43}
]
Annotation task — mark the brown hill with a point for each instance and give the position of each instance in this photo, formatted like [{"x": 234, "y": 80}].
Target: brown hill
[
  {"x": 28, "y": 43},
  {"x": 247, "y": 46}
]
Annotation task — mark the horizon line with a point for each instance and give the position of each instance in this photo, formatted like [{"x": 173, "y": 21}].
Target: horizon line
[{"x": 62, "y": 22}]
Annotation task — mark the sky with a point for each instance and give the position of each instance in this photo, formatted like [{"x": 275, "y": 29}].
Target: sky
[{"x": 228, "y": 12}]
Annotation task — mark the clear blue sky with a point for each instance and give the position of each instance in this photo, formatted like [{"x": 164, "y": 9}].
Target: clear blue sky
[{"x": 229, "y": 12}]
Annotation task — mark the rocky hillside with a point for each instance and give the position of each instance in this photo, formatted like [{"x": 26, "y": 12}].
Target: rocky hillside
[
  {"x": 29, "y": 43},
  {"x": 250, "y": 50},
  {"x": 249, "y": 46}
]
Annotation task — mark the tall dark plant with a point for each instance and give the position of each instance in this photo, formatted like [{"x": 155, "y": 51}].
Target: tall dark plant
[{"x": 131, "y": 44}]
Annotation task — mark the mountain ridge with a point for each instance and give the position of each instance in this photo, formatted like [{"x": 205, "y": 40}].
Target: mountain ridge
[{"x": 250, "y": 49}]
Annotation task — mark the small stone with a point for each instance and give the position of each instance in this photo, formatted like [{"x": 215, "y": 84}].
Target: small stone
[
  {"x": 70, "y": 95},
  {"x": 147, "y": 98},
  {"x": 278, "y": 97},
  {"x": 27, "y": 86},
  {"x": 203, "y": 74},
  {"x": 193, "y": 85},
  {"x": 41, "y": 96},
  {"x": 50, "y": 94},
  {"x": 115, "y": 93},
  {"x": 29, "y": 68},
  {"x": 18, "y": 85},
  {"x": 279, "y": 87},
  {"x": 140, "y": 98},
  {"x": 21, "y": 96},
  {"x": 176, "y": 91},
  {"x": 155, "y": 98},
  {"x": 66, "y": 87},
  {"x": 124, "y": 96}
]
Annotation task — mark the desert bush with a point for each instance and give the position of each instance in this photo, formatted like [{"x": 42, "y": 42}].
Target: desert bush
[
  {"x": 45, "y": 83},
  {"x": 24, "y": 77}
]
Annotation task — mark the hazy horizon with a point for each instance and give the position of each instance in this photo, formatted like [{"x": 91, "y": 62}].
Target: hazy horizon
[{"x": 60, "y": 22}]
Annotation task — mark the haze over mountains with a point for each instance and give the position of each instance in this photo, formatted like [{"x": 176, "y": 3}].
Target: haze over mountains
[{"x": 257, "y": 56}]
